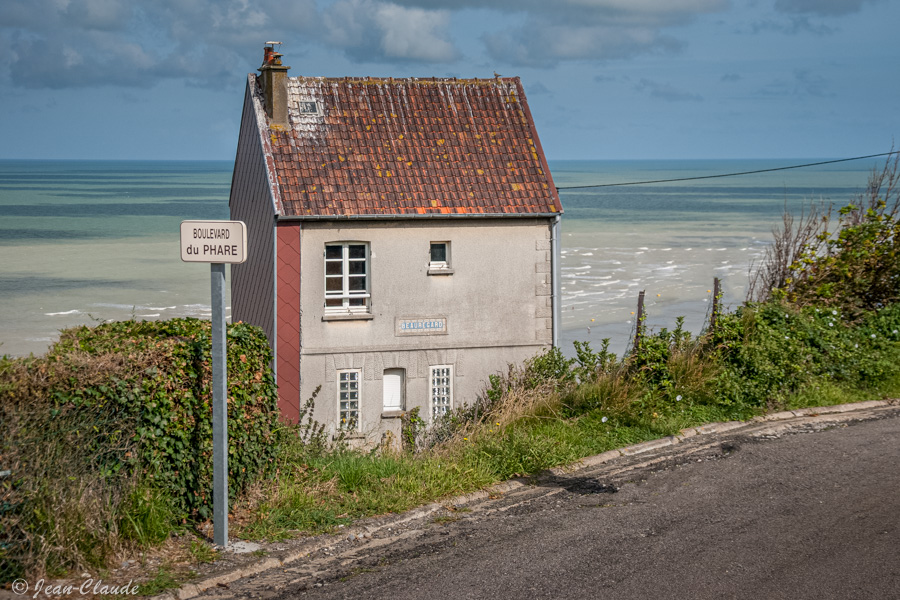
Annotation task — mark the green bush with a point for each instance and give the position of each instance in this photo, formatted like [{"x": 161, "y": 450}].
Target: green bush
[
  {"x": 108, "y": 438},
  {"x": 171, "y": 401},
  {"x": 772, "y": 350}
]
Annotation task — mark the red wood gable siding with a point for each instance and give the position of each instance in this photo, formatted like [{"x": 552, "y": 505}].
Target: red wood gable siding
[
  {"x": 288, "y": 359},
  {"x": 411, "y": 147}
]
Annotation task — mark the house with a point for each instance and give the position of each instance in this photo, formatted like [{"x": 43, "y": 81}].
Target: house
[{"x": 403, "y": 240}]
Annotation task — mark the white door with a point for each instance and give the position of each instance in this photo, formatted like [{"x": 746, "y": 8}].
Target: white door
[{"x": 393, "y": 389}]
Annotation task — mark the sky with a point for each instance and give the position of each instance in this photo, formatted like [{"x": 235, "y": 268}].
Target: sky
[{"x": 605, "y": 79}]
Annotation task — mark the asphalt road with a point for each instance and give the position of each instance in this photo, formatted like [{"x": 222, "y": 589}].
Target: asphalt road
[{"x": 808, "y": 514}]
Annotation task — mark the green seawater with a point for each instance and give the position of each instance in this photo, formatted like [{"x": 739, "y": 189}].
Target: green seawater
[{"x": 87, "y": 241}]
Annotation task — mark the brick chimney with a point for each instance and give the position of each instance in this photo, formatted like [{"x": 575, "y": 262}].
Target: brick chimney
[{"x": 273, "y": 81}]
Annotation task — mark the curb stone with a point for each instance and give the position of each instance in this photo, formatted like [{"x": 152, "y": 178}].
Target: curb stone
[
  {"x": 648, "y": 446},
  {"x": 193, "y": 589}
]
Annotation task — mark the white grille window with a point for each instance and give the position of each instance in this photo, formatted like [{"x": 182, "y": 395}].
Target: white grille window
[
  {"x": 441, "y": 386},
  {"x": 348, "y": 399},
  {"x": 346, "y": 278}
]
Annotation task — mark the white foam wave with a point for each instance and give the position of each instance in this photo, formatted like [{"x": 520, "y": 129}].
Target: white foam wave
[{"x": 68, "y": 312}]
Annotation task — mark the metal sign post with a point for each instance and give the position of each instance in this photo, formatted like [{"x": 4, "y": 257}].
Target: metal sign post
[
  {"x": 219, "y": 407},
  {"x": 218, "y": 243}
]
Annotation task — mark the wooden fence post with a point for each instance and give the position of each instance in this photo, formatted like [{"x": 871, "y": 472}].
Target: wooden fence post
[
  {"x": 715, "y": 307},
  {"x": 639, "y": 322}
]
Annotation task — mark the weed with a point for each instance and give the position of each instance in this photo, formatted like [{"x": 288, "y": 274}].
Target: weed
[
  {"x": 164, "y": 579},
  {"x": 445, "y": 520},
  {"x": 201, "y": 552},
  {"x": 147, "y": 515}
]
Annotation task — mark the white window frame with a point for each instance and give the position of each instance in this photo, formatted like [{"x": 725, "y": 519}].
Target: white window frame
[
  {"x": 349, "y": 299},
  {"x": 440, "y": 390},
  {"x": 439, "y": 265},
  {"x": 353, "y": 380}
]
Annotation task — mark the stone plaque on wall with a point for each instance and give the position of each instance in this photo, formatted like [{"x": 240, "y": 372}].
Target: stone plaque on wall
[{"x": 421, "y": 326}]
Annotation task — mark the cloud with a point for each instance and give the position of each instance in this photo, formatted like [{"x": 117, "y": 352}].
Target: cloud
[
  {"x": 798, "y": 12},
  {"x": 590, "y": 29},
  {"x": 811, "y": 84},
  {"x": 536, "y": 88},
  {"x": 666, "y": 91},
  {"x": 367, "y": 30},
  {"x": 544, "y": 45},
  {"x": 794, "y": 25},
  {"x": 133, "y": 43},
  {"x": 825, "y": 8},
  {"x": 58, "y": 44},
  {"x": 804, "y": 84},
  {"x": 102, "y": 15}
]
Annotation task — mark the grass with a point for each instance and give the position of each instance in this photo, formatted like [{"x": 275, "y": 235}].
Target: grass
[
  {"x": 165, "y": 579},
  {"x": 549, "y": 412},
  {"x": 552, "y": 412}
]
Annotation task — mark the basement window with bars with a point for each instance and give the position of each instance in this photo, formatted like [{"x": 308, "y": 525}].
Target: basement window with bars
[
  {"x": 347, "y": 278},
  {"x": 441, "y": 386},
  {"x": 348, "y": 399}
]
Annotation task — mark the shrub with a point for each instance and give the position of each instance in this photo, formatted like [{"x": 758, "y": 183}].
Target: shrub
[
  {"x": 851, "y": 263},
  {"x": 108, "y": 437}
]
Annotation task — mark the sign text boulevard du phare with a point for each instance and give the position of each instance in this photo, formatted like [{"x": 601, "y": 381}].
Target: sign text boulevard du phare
[{"x": 214, "y": 241}]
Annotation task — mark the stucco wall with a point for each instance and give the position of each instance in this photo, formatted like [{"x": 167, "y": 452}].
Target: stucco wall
[{"x": 496, "y": 304}]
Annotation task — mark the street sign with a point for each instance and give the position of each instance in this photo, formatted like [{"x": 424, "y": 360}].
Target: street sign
[
  {"x": 214, "y": 241},
  {"x": 217, "y": 242}
]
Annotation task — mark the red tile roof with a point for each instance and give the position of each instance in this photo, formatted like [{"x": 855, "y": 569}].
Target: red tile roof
[{"x": 408, "y": 147}]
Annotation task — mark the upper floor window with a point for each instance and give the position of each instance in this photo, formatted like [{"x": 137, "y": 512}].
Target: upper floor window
[
  {"x": 439, "y": 257},
  {"x": 346, "y": 278}
]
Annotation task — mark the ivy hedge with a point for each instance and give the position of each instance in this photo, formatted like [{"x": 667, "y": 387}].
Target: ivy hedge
[{"x": 154, "y": 379}]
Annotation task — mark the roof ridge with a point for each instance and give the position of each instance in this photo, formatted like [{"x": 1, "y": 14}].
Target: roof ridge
[{"x": 405, "y": 80}]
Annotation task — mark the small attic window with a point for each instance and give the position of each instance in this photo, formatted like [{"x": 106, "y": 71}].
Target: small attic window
[
  {"x": 439, "y": 259},
  {"x": 308, "y": 107}
]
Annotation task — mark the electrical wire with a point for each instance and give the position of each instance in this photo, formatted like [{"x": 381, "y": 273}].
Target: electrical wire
[{"x": 815, "y": 164}]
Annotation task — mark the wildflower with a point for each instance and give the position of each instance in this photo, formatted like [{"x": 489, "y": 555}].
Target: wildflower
[
  {"x": 895, "y": 331},
  {"x": 830, "y": 324},
  {"x": 856, "y": 345},
  {"x": 834, "y": 312},
  {"x": 873, "y": 336},
  {"x": 678, "y": 398},
  {"x": 465, "y": 439},
  {"x": 655, "y": 415},
  {"x": 604, "y": 419}
]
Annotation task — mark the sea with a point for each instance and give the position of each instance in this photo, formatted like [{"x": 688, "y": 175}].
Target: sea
[{"x": 83, "y": 242}]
